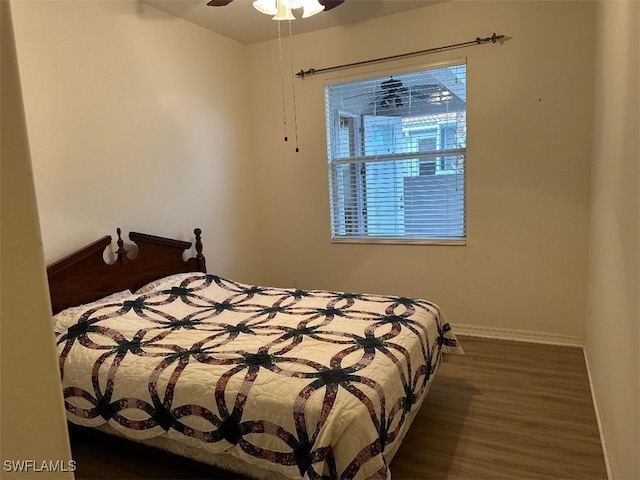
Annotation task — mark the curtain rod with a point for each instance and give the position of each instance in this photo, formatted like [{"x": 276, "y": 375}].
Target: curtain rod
[{"x": 478, "y": 41}]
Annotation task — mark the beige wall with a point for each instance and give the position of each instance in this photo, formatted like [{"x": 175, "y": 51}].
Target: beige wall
[
  {"x": 613, "y": 323},
  {"x": 31, "y": 409},
  {"x": 136, "y": 119},
  {"x": 529, "y": 126}
]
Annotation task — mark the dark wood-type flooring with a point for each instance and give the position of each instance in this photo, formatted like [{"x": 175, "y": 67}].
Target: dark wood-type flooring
[{"x": 504, "y": 410}]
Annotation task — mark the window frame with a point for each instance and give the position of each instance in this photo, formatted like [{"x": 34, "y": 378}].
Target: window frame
[{"x": 333, "y": 159}]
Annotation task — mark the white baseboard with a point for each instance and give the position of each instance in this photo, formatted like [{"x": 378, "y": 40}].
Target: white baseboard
[
  {"x": 596, "y": 407},
  {"x": 518, "y": 335}
]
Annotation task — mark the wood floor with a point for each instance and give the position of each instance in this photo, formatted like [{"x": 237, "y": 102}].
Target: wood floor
[{"x": 504, "y": 410}]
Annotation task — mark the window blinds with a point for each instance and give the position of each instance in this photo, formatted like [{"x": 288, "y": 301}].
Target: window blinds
[{"x": 396, "y": 151}]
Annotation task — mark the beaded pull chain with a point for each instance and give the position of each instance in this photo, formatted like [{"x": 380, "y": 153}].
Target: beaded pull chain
[
  {"x": 284, "y": 109},
  {"x": 293, "y": 88}
]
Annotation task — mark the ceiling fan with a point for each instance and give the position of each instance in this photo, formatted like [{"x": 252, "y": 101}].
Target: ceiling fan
[
  {"x": 327, "y": 4},
  {"x": 393, "y": 94}
]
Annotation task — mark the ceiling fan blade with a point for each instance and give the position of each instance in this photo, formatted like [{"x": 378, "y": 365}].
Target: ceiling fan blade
[
  {"x": 219, "y": 3},
  {"x": 329, "y": 4}
]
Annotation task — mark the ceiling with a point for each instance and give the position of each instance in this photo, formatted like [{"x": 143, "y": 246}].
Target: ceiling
[{"x": 240, "y": 21}]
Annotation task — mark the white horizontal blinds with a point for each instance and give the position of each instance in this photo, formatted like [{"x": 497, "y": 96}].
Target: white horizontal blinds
[{"x": 397, "y": 149}]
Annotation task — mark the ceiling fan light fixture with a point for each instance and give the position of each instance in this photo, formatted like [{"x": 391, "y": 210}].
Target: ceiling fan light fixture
[
  {"x": 284, "y": 12},
  {"x": 267, "y": 7},
  {"x": 311, "y": 7}
]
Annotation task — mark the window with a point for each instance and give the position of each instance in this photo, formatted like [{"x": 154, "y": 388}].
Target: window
[{"x": 396, "y": 151}]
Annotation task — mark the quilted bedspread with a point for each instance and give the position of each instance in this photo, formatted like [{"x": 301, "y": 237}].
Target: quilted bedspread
[{"x": 304, "y": 383}]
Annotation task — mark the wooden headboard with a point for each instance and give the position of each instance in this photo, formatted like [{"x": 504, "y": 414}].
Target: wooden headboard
[{"x": 84, "y": 276}]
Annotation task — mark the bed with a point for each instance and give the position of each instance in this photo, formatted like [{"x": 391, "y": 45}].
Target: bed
[{"x": 263, "y": 381}]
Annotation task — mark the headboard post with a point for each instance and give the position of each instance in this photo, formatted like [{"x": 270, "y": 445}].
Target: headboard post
[{"x": 202, "y": 267}]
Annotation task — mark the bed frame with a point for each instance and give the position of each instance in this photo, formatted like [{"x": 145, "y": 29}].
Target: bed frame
[{"x": 84, "y": 276}]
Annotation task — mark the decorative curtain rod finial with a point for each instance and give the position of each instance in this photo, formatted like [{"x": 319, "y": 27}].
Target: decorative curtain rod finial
[
  {"x": 493, "y": 39},
  {"x": 302, "y": 72}
]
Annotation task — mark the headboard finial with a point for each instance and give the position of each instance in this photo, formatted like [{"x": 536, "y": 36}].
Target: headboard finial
[
  {"x": 199, "y": 256},
  {"x": 121, "y": 252}
]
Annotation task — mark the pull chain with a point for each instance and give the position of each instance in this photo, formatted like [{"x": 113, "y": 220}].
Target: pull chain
[
  {"x": 284, "y": 110},
  {"x": 293, "y": 88}
]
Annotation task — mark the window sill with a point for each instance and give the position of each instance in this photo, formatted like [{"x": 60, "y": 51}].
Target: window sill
[{"x": 401, "y": 241}]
